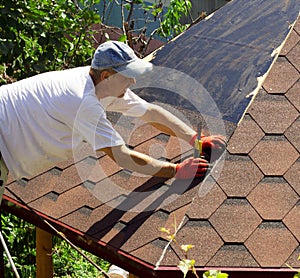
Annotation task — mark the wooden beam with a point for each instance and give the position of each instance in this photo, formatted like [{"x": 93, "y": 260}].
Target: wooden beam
[{"x": 44, "y": 264}]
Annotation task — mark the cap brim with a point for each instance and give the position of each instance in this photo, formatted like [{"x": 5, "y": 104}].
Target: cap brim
[{"x": 135, "y": 68}]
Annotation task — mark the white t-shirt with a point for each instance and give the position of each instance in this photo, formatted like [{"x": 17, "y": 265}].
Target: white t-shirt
[{"x": 45, "y": 117}]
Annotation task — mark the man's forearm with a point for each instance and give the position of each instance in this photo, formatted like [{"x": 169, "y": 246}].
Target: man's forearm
[
  {"x": 167, "y": 122},
  {"x": 139, "y": 162}
]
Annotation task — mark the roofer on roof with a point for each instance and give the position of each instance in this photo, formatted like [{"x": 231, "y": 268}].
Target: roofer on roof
[{"x": 44, "y": 117}]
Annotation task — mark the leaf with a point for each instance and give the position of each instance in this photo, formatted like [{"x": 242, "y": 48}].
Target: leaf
[
  {"x": 297, "y": 275},
  {"x": 222, "y": 275},
  {"x": 164, "y": 230},
  {"x": 185, "y": 266},
  {"x": 171, "y": 237},
  {"x": 186, "y": 247},
  {"x": 214, "y": 274},
  {"x": 123, "y": 38}
]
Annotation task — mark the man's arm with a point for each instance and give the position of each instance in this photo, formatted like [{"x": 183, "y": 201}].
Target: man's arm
[
  {"x": 213, "y": 145},
  {"x": 138, "y": 162},
  {"x": 167, "y": 122}
]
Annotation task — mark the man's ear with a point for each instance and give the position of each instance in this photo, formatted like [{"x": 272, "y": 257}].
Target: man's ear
[{"x": 104, "y": 74}]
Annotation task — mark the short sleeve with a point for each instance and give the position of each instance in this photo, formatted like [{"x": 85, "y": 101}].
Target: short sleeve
[
  {"x": 92, "y": 124},
  {"x": 129, "y": 105}
]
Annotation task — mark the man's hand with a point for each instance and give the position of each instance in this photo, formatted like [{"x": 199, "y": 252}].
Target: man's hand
[
  {"x": 191, "y": 168},
  {"x": 212, "y": 146}
]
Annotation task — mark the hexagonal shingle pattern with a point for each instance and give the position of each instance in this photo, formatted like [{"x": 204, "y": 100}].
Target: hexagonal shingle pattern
[
  {"x": 208, "y": 198},
  {"x": 239, "y": 176},
  {"x": 291, "y": 43},
  {"x": 245, "y": 137},
  {"x": 292, "y": 176},
  {"x": 282, "y": 75},
  {"x": 271, "y": 244},
  {"x": 293, "y": 134},
  {"x": 294, "y": 57},
  {"x": 199, "y": 229},
  {"x": 273, "y": 198},
  {"x": 274, "y": 155},
  {"x": 293, "y": 95},
  {"x": 235, "y": 220},
  {"x": 267, "y": 111},
  {"x": 292, "y": 221},
  {"x": 233, "y": 255}
]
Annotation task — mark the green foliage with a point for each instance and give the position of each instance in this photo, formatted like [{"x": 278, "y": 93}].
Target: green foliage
[
  {"x": 214, "y": 274},
  {"x": 67, "y": 262},
  {"x": 143, "y": 20},
  {"x": 45, "y": 35},
  {"x": 38, "y": 36},
  {"x": 170, "y": 25},
  {"x": 20, "y": 239},
  {"x": 185, "y": 266}
]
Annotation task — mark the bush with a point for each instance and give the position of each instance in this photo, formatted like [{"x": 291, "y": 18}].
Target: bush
[
  {"x": 44, "y": 35},
  {"x": 67, "y": 262}
]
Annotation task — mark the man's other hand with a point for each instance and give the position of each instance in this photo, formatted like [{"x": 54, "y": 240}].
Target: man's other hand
[{"x": 191, "y": 168}]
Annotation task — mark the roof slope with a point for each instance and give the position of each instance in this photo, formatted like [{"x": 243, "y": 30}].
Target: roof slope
[{"x": 243, "y": 217}]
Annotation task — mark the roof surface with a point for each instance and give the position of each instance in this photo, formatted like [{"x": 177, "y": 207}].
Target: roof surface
[{"x": 244, "y": 217}]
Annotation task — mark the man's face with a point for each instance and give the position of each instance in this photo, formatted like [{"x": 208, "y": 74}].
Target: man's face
[{"x": 115, "y": 84}]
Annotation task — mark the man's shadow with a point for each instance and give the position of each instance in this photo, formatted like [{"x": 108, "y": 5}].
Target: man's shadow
[{"x": 157, "y": 185}]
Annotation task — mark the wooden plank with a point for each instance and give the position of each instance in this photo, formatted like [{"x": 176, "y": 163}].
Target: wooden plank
[{"x": 44, "y": 264}]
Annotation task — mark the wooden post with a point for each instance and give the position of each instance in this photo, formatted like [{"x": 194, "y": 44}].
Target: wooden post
[{"x": 44, "y": 264}]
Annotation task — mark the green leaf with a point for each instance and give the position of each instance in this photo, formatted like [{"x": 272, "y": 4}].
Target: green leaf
[
  {"x": 297, "y": 275},
  {"x": 123, "y": 38},
  {"x": 185, "y": 265},
  {"x": 214, "y": 274},
  {"x": 222, "y": 275}
]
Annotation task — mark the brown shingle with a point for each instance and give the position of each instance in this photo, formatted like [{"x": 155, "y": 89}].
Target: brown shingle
[
  {"x": 139, "y": 132},
  {"x": 65, "y": 203},
  {"x": 153, "y": 251},
  {"x": 292, "y": 221},
  {"x": 282, "y": 75},
  {"x": 203, "y": 233},
  {"x": 294, "y": 96},
  {"x": 232, "y": 256},
  {"x": 274, "y": 155},
  {"x": 138, "y": 236},
  {"x": 36, "y": 187},
  {"x": 294, "y": 57},
  {"x": 273, "y": 198},
  {"x": 267, "y": 111},
  {"x": 245, "y": 137},
  {"x": 271, "y": 244},
  {"x": 293, "y": 134},
  {"x": 235, "y": 220},
  {"x": 238, "y": 176},
  {"x": 292, "y": 176},
  {"x": 293, "y": 260},
  {"x": 291, "y": 42},
  {"x": 209, "y": 197}
]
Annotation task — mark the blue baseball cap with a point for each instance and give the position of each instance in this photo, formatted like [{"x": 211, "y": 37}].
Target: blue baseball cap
[{"x": 121, "y": 58}]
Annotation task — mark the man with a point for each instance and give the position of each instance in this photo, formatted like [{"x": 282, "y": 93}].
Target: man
[{"x": 45, "y": 117}]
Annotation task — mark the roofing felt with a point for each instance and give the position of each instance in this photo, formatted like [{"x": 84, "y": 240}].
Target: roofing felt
[{"x": 244, "y": 217}]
